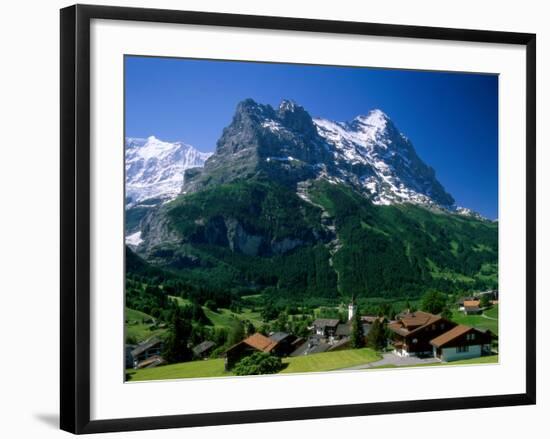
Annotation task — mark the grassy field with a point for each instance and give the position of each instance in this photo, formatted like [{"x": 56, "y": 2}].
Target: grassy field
[
  {"x": 224, "y": 318},
  {"x": 478, "y": 321},
  {"x": 180, "y": 300},
  {"x": 190, "y": 369},
  {"x": 136, "y": 328},
  {"x": 493, "y": 312},
  {"x": 324, "y": 362},
  {"x": 213, "y": 368},
  {"x": 221, "y": 319},
  {"x": 489, "y": 359},
  {"x": 329, "y": 360}
]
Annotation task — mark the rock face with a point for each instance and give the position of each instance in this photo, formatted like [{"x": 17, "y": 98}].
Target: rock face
[
  {"x": 281, "y": 145},
  {"x": 368, "y": 153}
]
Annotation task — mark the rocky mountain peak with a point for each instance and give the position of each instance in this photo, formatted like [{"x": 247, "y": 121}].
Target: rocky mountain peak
[
  {"x": 296, "y": 118},
  {"x": 155, "y": 168},
  {"x": 286, "y": 145},
  {"x": 375, "y": 118}
]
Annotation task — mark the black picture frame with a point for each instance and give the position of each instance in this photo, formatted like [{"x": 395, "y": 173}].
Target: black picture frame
[{"x": 75, "y": 217}]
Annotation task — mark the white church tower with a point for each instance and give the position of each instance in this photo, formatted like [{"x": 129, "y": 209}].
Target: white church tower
[{"x": 352, "y": 308}]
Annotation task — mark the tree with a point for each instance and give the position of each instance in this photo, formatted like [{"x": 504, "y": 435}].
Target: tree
[
  {"x": 176, "y": 346},
  {"x": 198, "y": 314},
  {"x": 269, "y": 312},
  {"x": 258, "y": 363},
  {"x": 446, "y": 313},
  {"x": 357, "y": 335},
  {"x": 300, "y": 328},
  {"x": 434, "y": 302},
  {"x": 219, "y": 336},
  {"x": 280, "y": 325},
  {"x": 211, "y": 305},
  {"x": 250, "y": 329},
  {"x": 484, "y": 301},
  {"x": 377, "y": 336},
  {"x": 236, "y": 333}
]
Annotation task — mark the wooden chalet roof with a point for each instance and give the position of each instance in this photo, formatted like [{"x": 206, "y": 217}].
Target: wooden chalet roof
[
  {"x": 450, "y": 335},
  {"x": 203, "y": 347},
  {"x": 279, "y": 336},
  {"x": 155, "y": 360},
  {"x": 260, "y": 342},
  {"x": 418, "y": 318},
  {"x": 412, "y": 322},
  {"x": 343, "y": 329},
  {"x": 323, "y": 323},
  {"x": 146, "y": 345},
  {"x": 471, "y": 303}
]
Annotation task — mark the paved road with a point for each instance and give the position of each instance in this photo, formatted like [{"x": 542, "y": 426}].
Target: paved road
[{"x": 395, "y": 360}]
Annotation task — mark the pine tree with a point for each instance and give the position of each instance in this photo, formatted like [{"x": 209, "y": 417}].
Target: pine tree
[
  {"x": 176, "y": 347},
  {"x": 433, "y": 302},
  {"x": 250, "y": 329},
  {"x": 377, "y": 336},
  {"x": 357, "y": 335}
]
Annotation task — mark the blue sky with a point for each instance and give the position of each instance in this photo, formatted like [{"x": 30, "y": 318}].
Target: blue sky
[{"x": 451, "y": 118}]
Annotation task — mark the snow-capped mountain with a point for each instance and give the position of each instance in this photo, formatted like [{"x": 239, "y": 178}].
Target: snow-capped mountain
[
  {"x": 155, "y": 169},
  {"x": 285, "y": 144},
  {"x": 394, "y": 173}
]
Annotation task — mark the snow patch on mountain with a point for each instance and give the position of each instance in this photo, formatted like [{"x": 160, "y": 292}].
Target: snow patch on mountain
[
  {"x": 393, "y": 173},
  {"x": 464, "y": 211},
  {"x": 155, "y": 169},
  {"x": 134, "y": 239}
]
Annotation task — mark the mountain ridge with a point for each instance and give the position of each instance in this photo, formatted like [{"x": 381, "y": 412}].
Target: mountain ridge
[
  {"x": 369, "y": 153},
  {"x": 155, "y": 168},
  {"x": 293, "y": 205}
]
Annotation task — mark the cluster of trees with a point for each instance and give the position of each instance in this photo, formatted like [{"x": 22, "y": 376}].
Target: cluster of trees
[
  {"x": 436, "y": 302},
  {"x": 259, "y": 363},
  {"x": 393, "y": 251},
  {"x": 376, "y": 337},
  {"x": 143, "y": 294}
]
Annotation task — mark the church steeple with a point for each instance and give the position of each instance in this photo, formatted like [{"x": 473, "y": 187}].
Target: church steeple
[{"x": 352, "y": 308}]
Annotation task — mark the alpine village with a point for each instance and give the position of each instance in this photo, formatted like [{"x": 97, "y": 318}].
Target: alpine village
[{"x": 301, "y": 245}]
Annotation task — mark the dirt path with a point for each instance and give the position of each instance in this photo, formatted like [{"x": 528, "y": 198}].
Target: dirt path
[{"x": 487, "y": 317}]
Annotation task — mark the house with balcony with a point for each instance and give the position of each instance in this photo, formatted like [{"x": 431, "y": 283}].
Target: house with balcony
[{"x": 412, "y": 332}]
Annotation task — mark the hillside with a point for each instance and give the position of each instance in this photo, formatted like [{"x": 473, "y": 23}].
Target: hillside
[{"x": 326, "y": 242}]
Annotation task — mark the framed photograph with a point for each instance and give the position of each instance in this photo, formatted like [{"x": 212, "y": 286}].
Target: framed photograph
[{"x": 272, "y": 218}]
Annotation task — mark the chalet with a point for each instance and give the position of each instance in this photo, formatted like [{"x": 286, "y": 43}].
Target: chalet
[
  {"x": 344, "y": 330},
  {"x": 255, "y": 343},
  {"x": 154, "y": 361},
  {"x": 471, "y": 307},
  {"x": 460, "y": 302},
  {"x": 315, "y": 344},
  {"x": 204, "y": 349},
  {"x": 147, "y": 349},
  {"x": 285, "y": 343},
  {"x": 413, "y": 331},
  {"x": 462, "y": 342},
  {"x": 129, "y": 359},
  {"x": 325, "y": 327}
]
